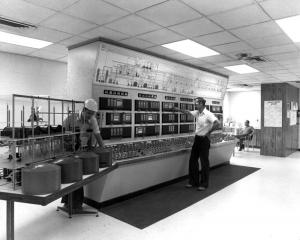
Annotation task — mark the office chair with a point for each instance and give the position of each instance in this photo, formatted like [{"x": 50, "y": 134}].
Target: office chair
[{"x": 248, "y": 142}]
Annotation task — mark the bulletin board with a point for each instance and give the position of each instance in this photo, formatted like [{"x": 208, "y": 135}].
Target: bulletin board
[{"x": 273, "y": 113}]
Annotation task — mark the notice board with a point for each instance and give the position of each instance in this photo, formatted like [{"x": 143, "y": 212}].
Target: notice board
[{"x": 273, "y": 113}]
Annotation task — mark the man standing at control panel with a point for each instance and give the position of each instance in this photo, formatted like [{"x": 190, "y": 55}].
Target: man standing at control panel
[{"x": 206, "y": 122}]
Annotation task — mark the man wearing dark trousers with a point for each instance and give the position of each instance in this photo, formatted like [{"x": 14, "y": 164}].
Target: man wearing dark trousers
[{"x": 206, "y": 122}]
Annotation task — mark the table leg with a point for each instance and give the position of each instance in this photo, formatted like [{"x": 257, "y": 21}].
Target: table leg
[
  {"x": 70, "y": 206},
  {"x": 10, "y": 220}
]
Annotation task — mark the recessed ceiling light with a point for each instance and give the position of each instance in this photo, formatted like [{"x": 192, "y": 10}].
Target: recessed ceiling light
[
  {"x": 241, "y": 69},
  {"x": 290, "y": 26},
  {"x": 23, "y": 41},
  {"x": 191, "y": 48}
]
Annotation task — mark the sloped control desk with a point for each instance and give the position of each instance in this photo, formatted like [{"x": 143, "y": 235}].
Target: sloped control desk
[
  {"x": 148, "y": 164},
  {"x": 11, "y": 196}
]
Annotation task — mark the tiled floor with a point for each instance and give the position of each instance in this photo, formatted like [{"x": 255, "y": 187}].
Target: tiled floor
[{"x": 262, "y": 206}]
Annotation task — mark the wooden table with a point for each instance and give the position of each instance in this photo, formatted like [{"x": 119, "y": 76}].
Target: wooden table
[{"x": 11, "y": 196}]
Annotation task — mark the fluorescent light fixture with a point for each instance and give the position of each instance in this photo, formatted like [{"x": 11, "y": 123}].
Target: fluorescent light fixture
[
  {"x": 241, "y": 69},
  {"x": 290, "y": 26},
  {"x": 23, "y": 41},
  {"x": 190, "y": 48}
]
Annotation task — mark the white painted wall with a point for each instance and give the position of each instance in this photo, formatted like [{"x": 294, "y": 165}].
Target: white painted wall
[
  {"x": 241, "y": 106},
  {"x": 82, "y": 62},
  {"x": 32, "y": 76},
  {"x": 29, "y": 76}
]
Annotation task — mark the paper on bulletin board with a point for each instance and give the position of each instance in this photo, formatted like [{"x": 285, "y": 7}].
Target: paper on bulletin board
[
  {"x": 273, "y": 113},
  {"x": 293, "y": 118}
]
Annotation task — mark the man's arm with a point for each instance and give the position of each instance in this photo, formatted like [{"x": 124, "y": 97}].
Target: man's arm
[
  {"x": 246, "y": 133},
  {"x": 183, "y": 111},
  {"x": 214, "y": 127},
  {"x": 99, "y": 139}
]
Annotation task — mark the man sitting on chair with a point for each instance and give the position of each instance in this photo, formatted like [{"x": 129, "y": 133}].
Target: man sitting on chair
[{"x": 247, "y": 131}]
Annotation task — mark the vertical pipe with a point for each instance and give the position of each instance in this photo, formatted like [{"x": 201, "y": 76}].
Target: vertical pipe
[
  {"x": 73, "y": 125},
  {"x": 32, "y": 116},
  {"x": 37, "y": 115},
  {"x": 49, "y": 128},
  {"x": 23, "y": 121},
  {"x": 49, "y": 112},
  {"x": 21, "y": 118},
  {"x": 62, "y": 125},
  {"x": 53, "y": 115},
  {"x": 10, "y": 220},
  {"x": 68, "y": 112},
  {"x": 32, "y": 128},
  {"x": 14, "y": 144},
  {"x": 7, "y": 116}
]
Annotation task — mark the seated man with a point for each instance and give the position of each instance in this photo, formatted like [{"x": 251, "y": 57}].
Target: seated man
[{"x": 247, "y": 131}]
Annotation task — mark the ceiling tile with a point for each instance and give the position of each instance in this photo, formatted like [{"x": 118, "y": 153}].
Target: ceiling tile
[
  {"x": 196, "y": 27},
  {"x": 160, "y": 50},
  {"x": 179, "y": 56},
  {"x": 281, "y": 8},
  {"x": 41, "y": 33},
  {"x": 138, "y": 43},
  {"x": 295, "y": 70},
  {"x": 279, "y": 49},
  {"x": 105, "y": 33},
  {"x": 47, "y": 54},
  {"x": 208, "y": 65},
  {"x": 222, "y": 70},
  {"x": 160, "y": 13},
  {"x": 134, "y": 5},
  {"x": 161, "y": 36},
  {"x": 232, "y": 47},
  {"x": 260, "y": 29},
  {"x": 23, "y": 11},
  {"x": 194, "y": 61},
  {"x": 286, "y": 77},
  {"x": 72, "y": 41},
  {"x": 249, "y": 51},
  {"x": 57, "y": 48},
  {"x": 284, "y": 56},
  {"x": 240, "y": 17},
  {"x": 95, "y": 11},
  {"x": 67, "y": 24},
  {"x": 229, "y": 63},
  {"x": 47, "y": 34},
  {"x": 208, "y": 7},
  {"x": 276, "y": 71},
  {"x": 267, "y": 66},
  {"x": 269, "y": 41},
  {"x": 133, "y": 25},
  {"x": 11, "y": 48},
  {"x": 216, "y": 59},
  {"x": 53, "y": 4},
  {"x": 216, "y": 39}
]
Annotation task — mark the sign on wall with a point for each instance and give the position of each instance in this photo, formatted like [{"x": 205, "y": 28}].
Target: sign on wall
[{"x": 273, "y": 113}]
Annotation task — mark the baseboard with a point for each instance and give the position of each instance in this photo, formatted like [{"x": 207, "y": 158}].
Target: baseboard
[{"x": 99, "y": 205}]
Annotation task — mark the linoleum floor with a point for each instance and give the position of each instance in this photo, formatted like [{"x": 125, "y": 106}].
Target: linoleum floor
[{"x": 264, "y": 205}]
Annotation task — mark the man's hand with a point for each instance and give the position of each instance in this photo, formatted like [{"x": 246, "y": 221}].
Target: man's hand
[{"x": 207, "y": 135}]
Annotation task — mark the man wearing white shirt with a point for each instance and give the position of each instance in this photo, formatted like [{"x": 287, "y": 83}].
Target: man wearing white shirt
[{"x": 206, "y": 122}]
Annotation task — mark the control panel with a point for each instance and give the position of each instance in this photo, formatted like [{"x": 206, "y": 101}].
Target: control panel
[
  {"x": 144, "y": 148},
  {"x": 141, "y": 113}
]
